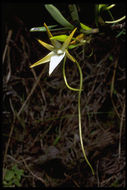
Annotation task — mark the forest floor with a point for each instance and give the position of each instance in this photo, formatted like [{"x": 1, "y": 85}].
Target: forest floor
[{"x": 40, "y": 116}]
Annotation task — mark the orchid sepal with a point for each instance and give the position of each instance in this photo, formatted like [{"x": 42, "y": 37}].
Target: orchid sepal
[
  {"x": 46, "y": 45},
  {"x": 45, "y": 59}
]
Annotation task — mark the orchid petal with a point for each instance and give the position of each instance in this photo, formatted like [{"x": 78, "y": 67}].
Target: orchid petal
[
  {"x": 67, "y": 41},
  {"x": 55, "y": 60},
  {"x": 70, "y": 56},
  {"x": 48, "y": 46},
  {"x": 48, "y": 31},
  {"x": 43, "y": 60},
  {"x": 54, "y": 42}
]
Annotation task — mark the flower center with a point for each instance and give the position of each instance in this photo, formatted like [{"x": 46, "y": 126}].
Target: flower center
[{"x": 59, "y": 51}]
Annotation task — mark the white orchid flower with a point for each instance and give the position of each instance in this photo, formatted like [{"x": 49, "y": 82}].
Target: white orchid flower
[{"x": 58, "y": 51}]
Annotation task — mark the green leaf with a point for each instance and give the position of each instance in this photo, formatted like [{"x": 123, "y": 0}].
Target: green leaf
[
  {"x": 41, "y": 29},
  {"x": 101, "y": 6},
  {"x": 16, "y": 182},
  {"x": 74, "y": 12},
  {"x": 85, "y": 27},
  {"x": 19, "y": 173},
  {"x": 9, "y": 175},
  {"x": 55, "y": 13},
  {"x": 56, "y": 140},
  {"x": 60, "y": 38},
  {"x": 15, "y": 168},
  {"x": 7, "y": 184},
  {"x": 122, "y": 32},
  {"x": 73, "y": 46},
  {"x": 110, "y": 58}
]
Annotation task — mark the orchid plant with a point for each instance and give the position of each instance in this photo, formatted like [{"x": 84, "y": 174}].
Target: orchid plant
[{"x": 58, "y": 52}]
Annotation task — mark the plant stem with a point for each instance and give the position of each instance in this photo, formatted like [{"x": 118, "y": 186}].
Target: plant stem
[
  {"x": 79, "y": 114},
  {"x": 115, "y": 21},
  {"x": 79, "y": 108},
  {"x": 65, "y": 79}
]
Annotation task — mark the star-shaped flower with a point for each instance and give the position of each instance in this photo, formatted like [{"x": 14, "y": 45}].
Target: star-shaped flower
[{"x": 58, "y": 51}]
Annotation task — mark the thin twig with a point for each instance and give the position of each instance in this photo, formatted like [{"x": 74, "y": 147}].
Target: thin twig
[
  {"x": 35, "y": 76},
  {"x": 6, "y": 46},
  {"x": 112, "y": 87},
  {"x": 8, "y": 142},
  {"x": 31, "y": 92},
  {"x": 8, "y": 66},
  {"x": 37, "y": 177},
  {"x": 42, "y": 93},
  {"x": 10, "y": 134},
  {"x": 120, "y": 133},
  {"x": 98, "y": 181}
]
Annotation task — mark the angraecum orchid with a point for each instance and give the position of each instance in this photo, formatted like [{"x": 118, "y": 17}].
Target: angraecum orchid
[{"x": 57, "y": 51}]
